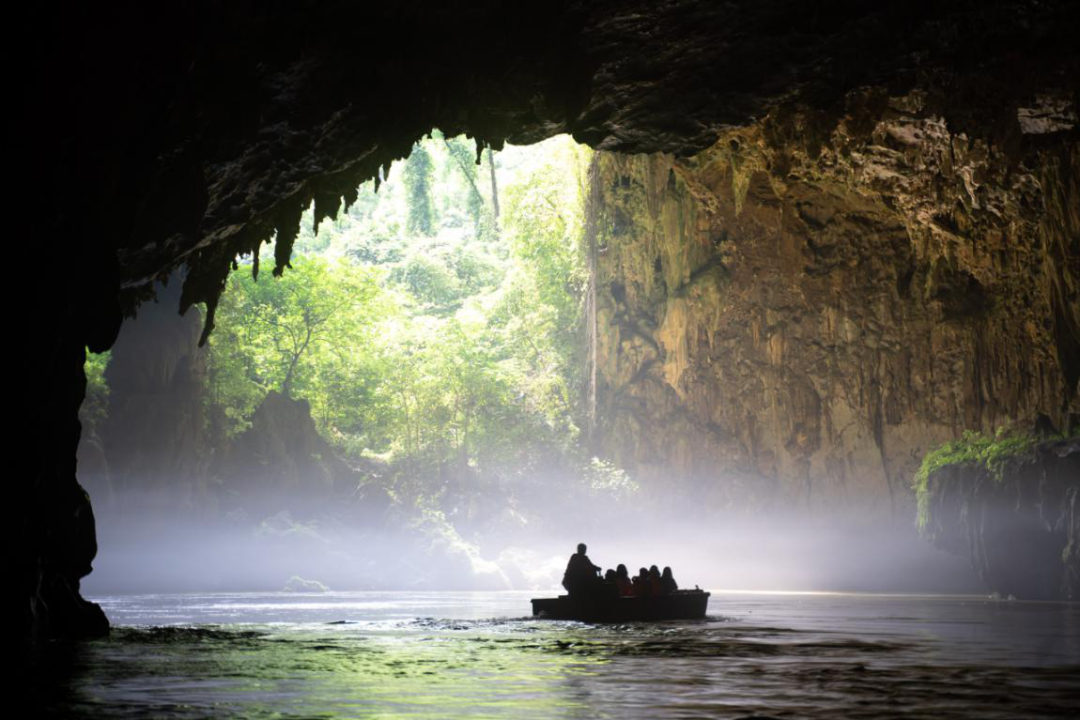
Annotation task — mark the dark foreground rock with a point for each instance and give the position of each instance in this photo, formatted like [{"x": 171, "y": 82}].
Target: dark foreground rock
[
  {"x": 56, "y": 608},
  {"x": 1022, "y": 531}
]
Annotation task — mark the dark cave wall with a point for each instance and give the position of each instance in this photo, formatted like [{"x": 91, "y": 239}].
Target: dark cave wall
[
  {"x": 796, "y": 315},
  {"x": 154, "y": 135},
  {"x": 1019, "y": 525}
]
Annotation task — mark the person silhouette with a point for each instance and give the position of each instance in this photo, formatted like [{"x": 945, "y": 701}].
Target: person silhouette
[
  {"x": 580, "y": 573},
  {"x": 667, "y": 582}
]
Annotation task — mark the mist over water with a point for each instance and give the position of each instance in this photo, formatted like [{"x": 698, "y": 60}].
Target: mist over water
[{"x": 155, "y": 550}]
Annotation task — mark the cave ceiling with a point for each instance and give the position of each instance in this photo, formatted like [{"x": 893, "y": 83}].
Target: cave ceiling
[{"x": 204, "y": 128}]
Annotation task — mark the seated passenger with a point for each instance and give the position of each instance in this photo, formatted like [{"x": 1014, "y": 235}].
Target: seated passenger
[
  {"x": 580, "y": 575},
  {"x": 610, "y": 585},
  {"x": 641, "y": 582},
  {"x": 656, "y": 587},
  {"x": 623, "y": 582},
  {"x": 667, "y": 582}
]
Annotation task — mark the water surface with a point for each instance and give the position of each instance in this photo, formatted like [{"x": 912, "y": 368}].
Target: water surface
[{"x": 419, "y": 655}]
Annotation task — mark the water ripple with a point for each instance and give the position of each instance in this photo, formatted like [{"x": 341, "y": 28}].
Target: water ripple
[{"x": 846, "y": 657}]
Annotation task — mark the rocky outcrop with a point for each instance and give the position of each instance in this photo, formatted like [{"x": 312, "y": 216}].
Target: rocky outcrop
[
  {"x": 1019, "y": 525},
  {"x": 56, "y": 608},
  {"x": 281, "y": 461},
  {"x": 799, "y": 313},
  {"x": 242, "y": 117}
]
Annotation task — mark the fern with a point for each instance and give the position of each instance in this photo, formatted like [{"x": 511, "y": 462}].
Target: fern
[{"x": 993, "y": 453}]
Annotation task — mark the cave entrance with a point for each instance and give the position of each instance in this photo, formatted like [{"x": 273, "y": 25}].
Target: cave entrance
[
  {"x": 418, "y": 378},
  {"x": 473, "y": 368}
]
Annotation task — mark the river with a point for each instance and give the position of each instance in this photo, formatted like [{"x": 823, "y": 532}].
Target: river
[{"x": 437, "y": 655}]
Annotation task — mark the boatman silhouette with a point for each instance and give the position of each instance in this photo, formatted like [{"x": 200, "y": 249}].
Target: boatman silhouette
[{"x": 580, "y": 575}]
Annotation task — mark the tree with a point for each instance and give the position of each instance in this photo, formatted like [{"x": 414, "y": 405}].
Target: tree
[
  {"x": 428, "y": 279},
  {"x": 288, "y": 334},
  {"x": 462, "y": 153},
  {"x": 95, "y": 406},
  {"x": 417, "y": 179},
  {"x": 543, "y": 302},
  {"x": 452, "y": 348}
]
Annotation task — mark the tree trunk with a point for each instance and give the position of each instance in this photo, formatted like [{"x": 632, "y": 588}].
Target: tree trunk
[
  {"x": 494, "y": 185},
  {"x": 592, "y": 228}
]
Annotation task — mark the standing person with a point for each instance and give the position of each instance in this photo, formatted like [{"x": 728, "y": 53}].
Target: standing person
[{"x": 580, "y": 573}]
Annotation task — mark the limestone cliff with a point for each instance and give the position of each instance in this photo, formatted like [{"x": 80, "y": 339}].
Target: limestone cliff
[{"x": 798, "y": 313}]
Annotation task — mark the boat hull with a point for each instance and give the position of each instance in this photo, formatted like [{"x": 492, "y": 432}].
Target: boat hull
[{"x": 680, "y": 605}]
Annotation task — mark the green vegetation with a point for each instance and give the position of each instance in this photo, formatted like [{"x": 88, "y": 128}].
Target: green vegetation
[
  {"x": 422, "y": 333},
  {"x": 95, "y": 406},
  {"x": 990, "y": 452},
  {"x": 420, "y": 219},
  {"x": 297, "y": 335}
]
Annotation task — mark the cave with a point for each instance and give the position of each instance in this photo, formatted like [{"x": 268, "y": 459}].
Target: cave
[{"x": 869, "y": 210}]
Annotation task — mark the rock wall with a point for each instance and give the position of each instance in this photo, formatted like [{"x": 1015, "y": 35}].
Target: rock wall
[
  {"x": 152, "y": 448},
  {"x": 797, "y": 314},
  {"x": 1021, "y": 530}
]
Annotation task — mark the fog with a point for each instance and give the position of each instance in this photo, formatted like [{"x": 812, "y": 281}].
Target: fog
[{"x": 338, "y": 548}]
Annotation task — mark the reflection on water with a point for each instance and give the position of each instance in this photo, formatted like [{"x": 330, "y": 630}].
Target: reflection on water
[{"x": 477, "y": 654}]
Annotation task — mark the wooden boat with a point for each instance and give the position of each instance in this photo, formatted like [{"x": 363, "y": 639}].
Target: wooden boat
[{"x": 679, "y": 605}]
